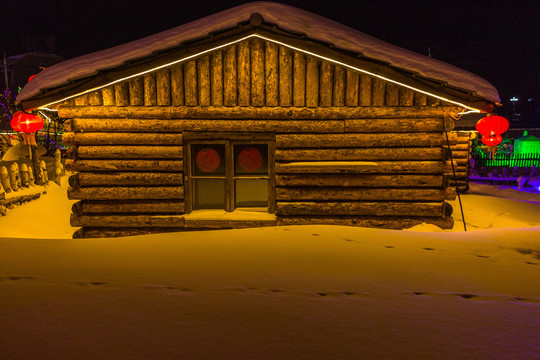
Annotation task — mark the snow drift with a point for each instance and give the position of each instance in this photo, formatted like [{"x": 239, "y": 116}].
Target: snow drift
[{"x": 294, "y": 292}]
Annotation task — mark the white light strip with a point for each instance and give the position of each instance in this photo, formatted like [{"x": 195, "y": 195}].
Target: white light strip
[
  {"x": 467, "y": 112},
  {"x": 46, "y": 116},
  {"x": 270, "y": 40}
]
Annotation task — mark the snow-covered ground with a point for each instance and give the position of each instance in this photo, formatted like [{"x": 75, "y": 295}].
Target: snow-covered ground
[{"x": 294, "y": 292}]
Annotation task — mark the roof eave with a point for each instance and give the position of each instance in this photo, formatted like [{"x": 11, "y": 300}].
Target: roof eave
[{"x": 197, "y": 47}]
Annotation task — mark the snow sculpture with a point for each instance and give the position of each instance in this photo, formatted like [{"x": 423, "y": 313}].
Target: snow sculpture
[{"x": 4, "y": 179}]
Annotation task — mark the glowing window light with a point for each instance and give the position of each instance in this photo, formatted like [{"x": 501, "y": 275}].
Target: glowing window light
[{"x": 45, "y": 107}]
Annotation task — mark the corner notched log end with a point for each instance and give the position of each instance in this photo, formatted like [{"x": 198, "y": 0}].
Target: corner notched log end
[
  {"x": 448, "y": 210},
  {"x": 73, "y": 181},
  {"x": 77, "y": 208}
]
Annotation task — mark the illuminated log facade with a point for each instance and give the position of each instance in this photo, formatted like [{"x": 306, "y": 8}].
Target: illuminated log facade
[{"x": 341, "y": 147}]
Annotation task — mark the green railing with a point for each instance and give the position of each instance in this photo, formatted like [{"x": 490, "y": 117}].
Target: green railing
[{"x": 505, "y": 160}]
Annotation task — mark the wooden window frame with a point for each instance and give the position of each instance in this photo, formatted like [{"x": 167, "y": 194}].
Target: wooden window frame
[{"x": 229, "y": 140}]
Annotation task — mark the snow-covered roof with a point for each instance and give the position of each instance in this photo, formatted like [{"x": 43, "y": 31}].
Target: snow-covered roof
[{"x": 288, "y": 18}]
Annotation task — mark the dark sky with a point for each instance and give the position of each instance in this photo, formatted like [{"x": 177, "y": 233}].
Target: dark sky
[{"x": 497, "y": 40}]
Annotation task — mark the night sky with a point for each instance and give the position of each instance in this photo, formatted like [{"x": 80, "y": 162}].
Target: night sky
[{"x": 497, "y": 40}]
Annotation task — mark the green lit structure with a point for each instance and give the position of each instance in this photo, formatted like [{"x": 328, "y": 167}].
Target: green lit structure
[{"x": 527, "y": 144}]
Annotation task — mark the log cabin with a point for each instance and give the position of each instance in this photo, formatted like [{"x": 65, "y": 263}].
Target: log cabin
[{"x": 260, "y": 115}]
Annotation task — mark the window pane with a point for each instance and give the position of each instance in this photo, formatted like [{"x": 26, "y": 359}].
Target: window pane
[
  {"x": 251, "y": 159},
  {"x": 208, "y": 160},
  {"x": 208, "y": 194},
  {"x": 251, "y": 193}
]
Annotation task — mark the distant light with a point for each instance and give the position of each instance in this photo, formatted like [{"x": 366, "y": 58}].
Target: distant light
[
  {"x": 530, "y": 99},
  {"x": 514, "y": 99}
]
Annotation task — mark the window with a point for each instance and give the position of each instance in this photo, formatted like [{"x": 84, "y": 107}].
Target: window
[{"x": 229, "y": 174}]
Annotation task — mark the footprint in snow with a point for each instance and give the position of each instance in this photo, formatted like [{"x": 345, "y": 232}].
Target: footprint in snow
[
  {"x": 15, "y": 278},
  {"x": 477, "y": 297}
]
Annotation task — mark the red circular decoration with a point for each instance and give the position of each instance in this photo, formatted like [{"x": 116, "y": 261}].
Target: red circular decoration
[
  {"x": 250, "y": 159},
  {"x": 492, "y": 125},
  {"x": 26, "y": 123},
  {"x": 493, "y": 140},
  {"x": 208, "y": 160}
]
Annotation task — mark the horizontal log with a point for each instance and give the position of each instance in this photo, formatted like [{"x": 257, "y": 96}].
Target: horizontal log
[
  {"x": 459, "y": 147},
  {"x": 101, "y": 232},
  {"x": 460, "y": 154},
  {"x": 286, "y": 126},
  {"x": 247, "y": 112},
  {"x": 362, "y": 194},
  {"x": 175, "y": 125},
  {"x": 106, "y": 138},
  {"x": 122, "y": 125},
  {"x": 362, "y": 208},
  {"x": 465, "y": 135},
  {"x": 395, "y": 125},
  {"x": 367, "y": 180},
  {"x": 126, "y": 193},
  {"x": 128, "y": 206},
  {"x": 420, "y": 153},
  {"x": 382, "y": 222},
  {"x": 126, "y": 221},
  {"x": 226, "y": 224},
  {"x": 362, "y": 140},
  {"x": 124, "y": 165},
  {"x": 462, "y": 162},
  {"x": 127, "y": 178},
  {"x": 128, "y": 152},
  {"x": 384, "y": 167}
]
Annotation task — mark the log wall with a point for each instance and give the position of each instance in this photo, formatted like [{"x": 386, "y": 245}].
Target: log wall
[{"x": 349, "y": 149}]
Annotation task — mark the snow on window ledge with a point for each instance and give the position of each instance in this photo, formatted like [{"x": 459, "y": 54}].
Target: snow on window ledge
[{"x": 243, "y": 214}]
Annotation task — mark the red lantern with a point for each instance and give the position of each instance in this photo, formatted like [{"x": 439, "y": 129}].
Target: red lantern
[
  {"x": 492, "y": 125},
  {"x": 26, "y": 123},
  {"x": 491, "y": 140}
]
